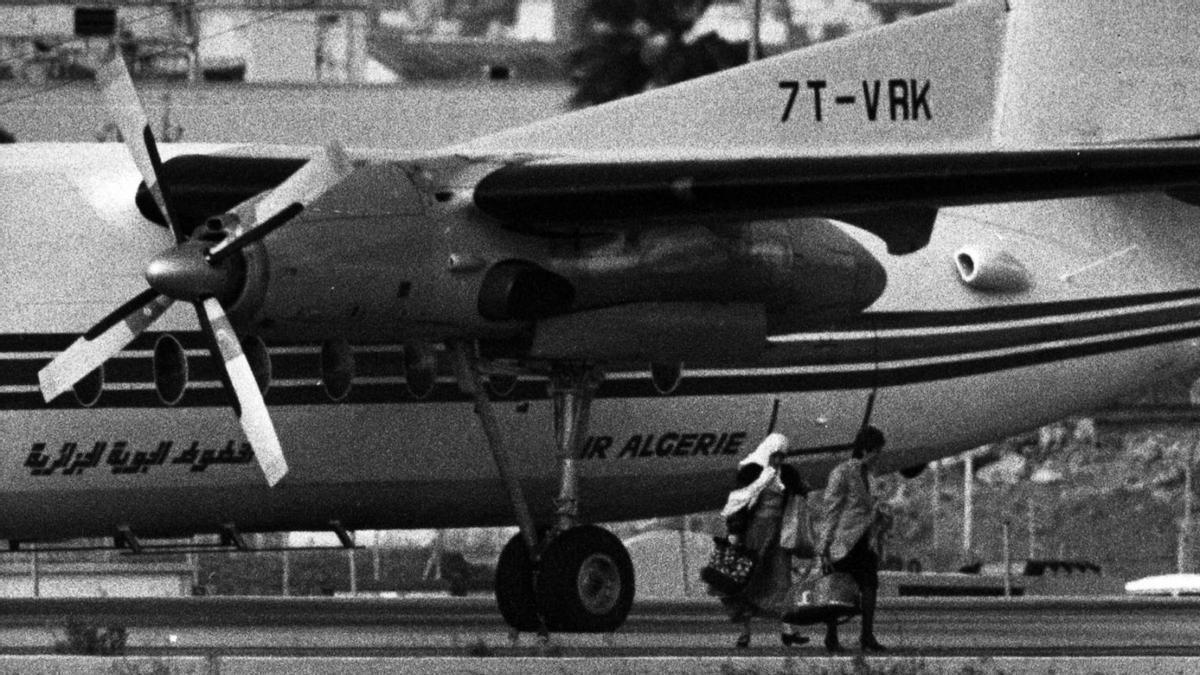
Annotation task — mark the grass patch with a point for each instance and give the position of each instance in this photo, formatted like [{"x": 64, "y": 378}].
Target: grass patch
[
  {"x": 91, "y": 640},
  {"x": 151, "y": 668},
  {"x": 860, "y": 665},
  {"x": 479, "y": 648}
]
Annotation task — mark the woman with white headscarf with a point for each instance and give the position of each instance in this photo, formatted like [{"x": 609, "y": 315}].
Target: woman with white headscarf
[{"x": 754, "y": 513}]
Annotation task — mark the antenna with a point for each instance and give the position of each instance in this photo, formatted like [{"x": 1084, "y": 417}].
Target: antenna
[
  {"x": 870, "y": 408},
  {"x": 755, "y": 47}
]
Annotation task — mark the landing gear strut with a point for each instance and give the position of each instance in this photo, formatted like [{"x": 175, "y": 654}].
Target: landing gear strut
[
  {"x": 572, "y": 388},
  {"x": 572, "y": 577}
]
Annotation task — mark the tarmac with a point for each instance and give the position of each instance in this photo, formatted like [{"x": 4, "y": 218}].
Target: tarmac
[
  {"x": 850, "y": 665},
  {"x": 293, "y": 636}
]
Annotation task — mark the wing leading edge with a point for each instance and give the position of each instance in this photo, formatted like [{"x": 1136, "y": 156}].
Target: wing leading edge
[{"x": 894, "y": 196}]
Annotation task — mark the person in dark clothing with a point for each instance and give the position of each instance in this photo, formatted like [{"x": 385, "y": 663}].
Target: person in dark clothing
[
  {"x": 764, "y": 513},
  {"x": 851, "y": 528}
]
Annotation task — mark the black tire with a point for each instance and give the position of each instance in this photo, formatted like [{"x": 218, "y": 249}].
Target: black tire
[
  {"x": 585, "y": 582},
  {"x": 514, "y": 586}
]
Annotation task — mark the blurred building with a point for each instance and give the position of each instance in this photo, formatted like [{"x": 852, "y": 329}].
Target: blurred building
[
  {"x": 255, "y": 40},
  {"x": 355, "y": 41}
]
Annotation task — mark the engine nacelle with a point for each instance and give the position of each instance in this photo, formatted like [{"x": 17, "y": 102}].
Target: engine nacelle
[
  {"x": 390, "y": 280},
  {"x": 669, "y": 293},
  {"x": 519, "y": 289},
  {"x": 800, "y": 272},
  {"x": 394, "y": 254}
]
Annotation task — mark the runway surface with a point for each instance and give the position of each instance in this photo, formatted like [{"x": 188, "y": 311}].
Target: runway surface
[{"x": 408, "y": 627}]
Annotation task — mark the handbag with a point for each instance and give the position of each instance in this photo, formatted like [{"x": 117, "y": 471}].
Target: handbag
[
  {"x": 822, "y": 597},
  {"x": 729, "y": 567}
]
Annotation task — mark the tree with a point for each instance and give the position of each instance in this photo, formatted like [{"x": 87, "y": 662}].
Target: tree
[
  {"x": 477, "y": 16},
  {"x": 627, "y": 46}
]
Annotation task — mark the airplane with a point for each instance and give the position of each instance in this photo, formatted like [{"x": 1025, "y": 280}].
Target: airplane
[{"x": 954, "y": 228}]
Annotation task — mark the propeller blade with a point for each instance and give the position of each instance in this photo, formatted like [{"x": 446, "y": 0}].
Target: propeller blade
[
  {"x": 240, "y": 383},
  {"x": 130, "y": 117},
  {"x": 324, "y": 170},
  {"x": 105, "y": 339},
  {"x": 327, "y": 168}
]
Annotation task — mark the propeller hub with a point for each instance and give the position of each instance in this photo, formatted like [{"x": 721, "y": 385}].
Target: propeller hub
[{"x": 184, "y": 273}]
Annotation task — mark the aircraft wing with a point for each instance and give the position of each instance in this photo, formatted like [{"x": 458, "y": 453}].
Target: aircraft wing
[{"x": 895, "y": 196}]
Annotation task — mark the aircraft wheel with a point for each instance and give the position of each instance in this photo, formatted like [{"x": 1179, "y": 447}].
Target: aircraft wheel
[
  {"x": 585, "y": 581},
  {"x": 514, "y": 586}
]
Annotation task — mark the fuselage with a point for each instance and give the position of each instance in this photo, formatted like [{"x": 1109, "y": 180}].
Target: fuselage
[{"x": 1109, "y": 307}]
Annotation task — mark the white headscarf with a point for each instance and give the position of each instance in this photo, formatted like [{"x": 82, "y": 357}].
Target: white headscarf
[{"x": 747, "y": 496}]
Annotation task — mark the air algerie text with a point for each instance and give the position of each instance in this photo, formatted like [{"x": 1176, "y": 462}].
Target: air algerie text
[{"x": 667, "y": 444}]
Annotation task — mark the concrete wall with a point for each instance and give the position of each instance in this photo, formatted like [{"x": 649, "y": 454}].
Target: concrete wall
[
  {"x": 71, "y": 580},
  {"x": 410, "y": 118}
]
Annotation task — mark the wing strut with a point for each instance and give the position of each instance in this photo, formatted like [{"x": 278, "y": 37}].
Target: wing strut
[{"x": 466, "y": 368}]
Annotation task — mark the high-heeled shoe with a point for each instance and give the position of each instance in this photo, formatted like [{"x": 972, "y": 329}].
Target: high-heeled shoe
[
  {"x": 743, "y": 641},
  {"x": 792, "y": 640},
  {"x": 833, "y": 646}
]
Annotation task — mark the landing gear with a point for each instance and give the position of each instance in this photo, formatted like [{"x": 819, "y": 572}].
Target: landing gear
[
  {"x": 585, "y": 581},
  {"x": 515, "y": 593},
  {"x": 575, "y": 578},
  {"x": 582, "y": 583}
]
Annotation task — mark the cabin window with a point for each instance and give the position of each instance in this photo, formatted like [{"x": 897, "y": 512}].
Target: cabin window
[
  {"x": 501, "y": 384},
  {"x": 666, "y": 376},
  {"x": 337, "y": 368},
  {"x": 170, "y": 369},
  {"x": 260, "y": 361},
  {"x": 420, "y": 370},
  {"x": 87, "y": 391}
]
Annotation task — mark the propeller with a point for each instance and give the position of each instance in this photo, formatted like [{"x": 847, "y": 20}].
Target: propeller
[{"x": 195, "y": 271}]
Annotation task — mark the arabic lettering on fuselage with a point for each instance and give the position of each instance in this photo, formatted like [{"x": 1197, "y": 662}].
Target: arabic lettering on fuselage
[
  {"x": 69, "y": 460},
  {"x": 667, "y": 444}
]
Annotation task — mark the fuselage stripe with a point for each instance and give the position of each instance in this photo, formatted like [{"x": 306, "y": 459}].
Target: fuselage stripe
[
  {"x": 743, "y": 382},
  {"x": 899, "y": 349}
]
